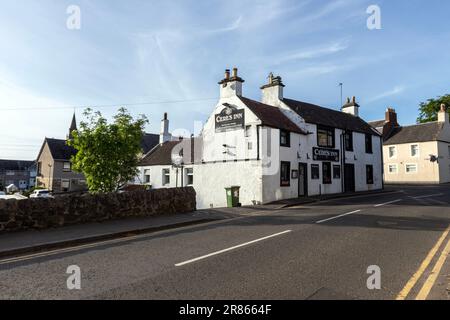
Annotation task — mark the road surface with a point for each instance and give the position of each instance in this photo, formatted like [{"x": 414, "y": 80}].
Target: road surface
[{"x": 318, "y": 251}]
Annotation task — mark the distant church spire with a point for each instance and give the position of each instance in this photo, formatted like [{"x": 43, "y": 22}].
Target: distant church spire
[{"x": 73, "y": 126}]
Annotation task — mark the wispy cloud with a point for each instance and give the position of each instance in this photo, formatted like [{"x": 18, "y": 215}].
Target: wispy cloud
[
  {"x": 395, "y": 91},
  {"x": 316, "y": 52}
]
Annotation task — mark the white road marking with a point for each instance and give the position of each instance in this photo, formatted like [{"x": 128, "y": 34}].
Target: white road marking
[
  {"x": 386, "y": 203},
  {"x": 231, "y": 248},
  {"x": 339, "y": 216},
  {"x": 124, "y": 239},
  {"x": 429, "y": 196}
]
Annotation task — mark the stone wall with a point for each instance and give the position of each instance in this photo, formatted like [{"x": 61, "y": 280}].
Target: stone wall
[{"x": 75, "y": 209}]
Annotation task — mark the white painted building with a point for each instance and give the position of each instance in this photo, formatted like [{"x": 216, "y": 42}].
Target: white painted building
[
  {"x": 275, "y": 149},
  {"x": 416, "y": 154}
]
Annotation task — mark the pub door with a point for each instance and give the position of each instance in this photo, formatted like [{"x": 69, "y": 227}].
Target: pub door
[
  {"x": 302, "y": 180},
  {"x": 349, "y": 178}
]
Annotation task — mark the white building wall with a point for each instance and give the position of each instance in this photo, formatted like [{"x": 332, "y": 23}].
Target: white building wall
[
  {"x": 211, "y": 179},
  {"x": 213, "y": 142},
  {"x": 363, "y": 159},
  {"x": 427, "y": 171},
  {"x": 444, "y": 162}
]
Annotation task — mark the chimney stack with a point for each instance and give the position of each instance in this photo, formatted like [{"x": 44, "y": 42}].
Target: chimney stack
[
  {"x": 391, "y": 117},
  {"x": 272, "y": 92},
  {"x": 443, "y": 115},
  {"x": 231, "y": 86},
  {"x": 351, "y": 107},
  {"x": 164, "y": 134}
]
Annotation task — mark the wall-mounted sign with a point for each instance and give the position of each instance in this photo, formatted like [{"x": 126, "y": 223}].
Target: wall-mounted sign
[
  {"x": 322, "y": 154},
  {"x": 230, "y": 118}
]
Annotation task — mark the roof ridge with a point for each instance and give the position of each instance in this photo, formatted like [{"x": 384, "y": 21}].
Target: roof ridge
[{"x": 419, "y": 124}]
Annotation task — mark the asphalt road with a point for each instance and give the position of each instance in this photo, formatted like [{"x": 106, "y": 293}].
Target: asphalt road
[{"x": 319, "y": 251}]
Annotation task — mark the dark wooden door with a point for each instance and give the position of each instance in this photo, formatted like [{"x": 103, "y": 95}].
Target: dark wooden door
[
  {"x": 302, "y": 180},
  {"x": 349, "y": 178}
]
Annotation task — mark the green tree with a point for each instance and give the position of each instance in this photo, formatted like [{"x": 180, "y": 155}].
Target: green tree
[
  {"x": 429, "y": 109},
  {"x": 108, "y": 154}
]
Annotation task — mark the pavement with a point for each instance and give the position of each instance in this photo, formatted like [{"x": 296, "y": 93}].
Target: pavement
[{"x": 322, "y": 250}]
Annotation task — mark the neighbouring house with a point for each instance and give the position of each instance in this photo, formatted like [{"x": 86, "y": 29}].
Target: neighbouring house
[
  {"x": 415, "y": 154},
  {"x": 275, "y": 149},
  {"x": 19, "y": 173},
  {"x": 54, "y": 169}
]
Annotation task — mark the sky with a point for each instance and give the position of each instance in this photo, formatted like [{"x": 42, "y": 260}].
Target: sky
[{"x": 167, "y": 56}]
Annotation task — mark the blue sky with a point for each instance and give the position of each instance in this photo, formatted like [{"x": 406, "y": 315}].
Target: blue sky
[{"x": 131, "y": 52}]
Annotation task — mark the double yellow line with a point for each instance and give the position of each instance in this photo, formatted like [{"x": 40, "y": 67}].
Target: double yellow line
[{"x": 429, "y": 283}]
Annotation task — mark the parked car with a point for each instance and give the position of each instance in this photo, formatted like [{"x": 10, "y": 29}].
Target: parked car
[{"x": 44, "y": 193}]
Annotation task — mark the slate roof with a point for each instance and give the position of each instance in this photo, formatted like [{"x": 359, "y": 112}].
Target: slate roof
[
  {"x": 271, "y": 116},
  {"x": 416, "y": 133},
  {"x": 60, "y": 150},
  {"x": 160, "y": 155},
  {"x": 328, "y": 117},
  {"x": 15, "y": 165},
  {"x": 149, "y": 141},
  {"x": 377, "y": 123}
]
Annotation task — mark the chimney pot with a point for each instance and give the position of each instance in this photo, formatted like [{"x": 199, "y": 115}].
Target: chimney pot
[
  {"x": 354, "y": 99},
  {"x": 235, "y": 72},
  {"x": 443, "y": 107},
  {"x": 227, "y": 74},
  {"x": 348, "y": 100}
]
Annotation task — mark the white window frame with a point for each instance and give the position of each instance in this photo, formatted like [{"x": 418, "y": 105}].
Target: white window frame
[
  {"x": 65, "y": 181},
  {"x": 411, "y": 150},
  {"x": 189, "y": 173},
  {"x": 248, "y": 131},
  {"x": 396, "y": 168},
  {"x": 149, "y": 176},
  {"x": 10, "y": 173},
  {"x": 65, "y": 169},
  {"x": 395, "y": 152},
  {"x": 411, "y": 164},
  {"x": 165, "y": 174}
]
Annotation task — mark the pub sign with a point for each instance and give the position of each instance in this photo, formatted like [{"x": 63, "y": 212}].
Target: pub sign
[{"x": 230, "y": 118}]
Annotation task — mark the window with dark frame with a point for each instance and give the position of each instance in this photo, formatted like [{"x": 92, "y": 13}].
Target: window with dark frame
[
  {"x": 369, "y": 174},
  {"x": 325, "y": 137},
  {"x": 348, "y": 140},
  {"x": 285, "y": 138},
  {"x": 368, "y": 143},
  {"x": 326, "y": 173},
  {"x": 315, "y": 172},
  {"x": 285, "y": 174},
  {"x": 336, "y": 171}
]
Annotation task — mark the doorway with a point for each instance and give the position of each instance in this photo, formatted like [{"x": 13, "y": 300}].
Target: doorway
[
  {"x": 349, "y": 178},
  {"x": 302, "y": 180}
]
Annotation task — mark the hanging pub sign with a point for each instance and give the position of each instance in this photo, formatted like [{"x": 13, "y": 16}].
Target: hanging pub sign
[
  {"x": 230, "y": 118},
  {"x": 322, "y": 154}
]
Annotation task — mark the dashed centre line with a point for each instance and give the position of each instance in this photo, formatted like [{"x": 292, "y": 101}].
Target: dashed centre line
[
  {"x": 231, "y": 248},
  {"x": 339, "y": 216},
  {"x": 386, "y": 203}
]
